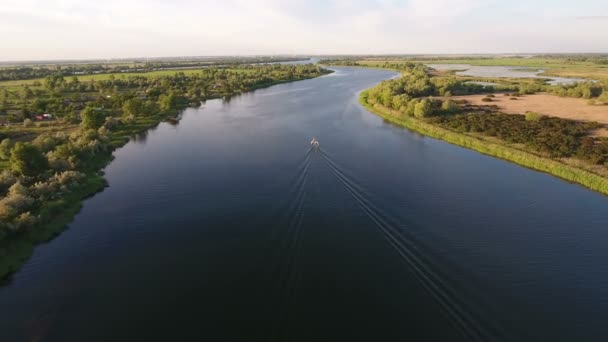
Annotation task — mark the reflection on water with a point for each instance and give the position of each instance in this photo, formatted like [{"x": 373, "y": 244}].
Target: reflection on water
[{"x": 504, "y": 71}]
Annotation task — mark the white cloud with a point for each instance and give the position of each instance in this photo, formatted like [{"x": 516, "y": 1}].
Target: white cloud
[{"x": 121, "y": 28}]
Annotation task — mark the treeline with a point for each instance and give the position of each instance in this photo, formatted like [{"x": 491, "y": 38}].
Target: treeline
[
  {"x": 32, "y": 72},
  {"x": 601, "y": 59},
  {"x": 342, "y": 62},
  {"x": 597, "y": 91},
  {"x": 413, "y": 95},
  {"x": 64, "y": 97},
  {"x": 38, "y": 174}
]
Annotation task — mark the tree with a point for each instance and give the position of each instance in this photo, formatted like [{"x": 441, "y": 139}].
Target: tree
[
  {"x": 167, "y": 102},
  {"x": 449, "y": 106},
  {"x": 604, "y": 97},
  {"x": 5, "y": 149},
  {"x": 28, "y": 160},
  {"x": 133, "y": 107},
  {"x": 92, "y": 118},
  {"x": 3, "y": 101},
  {"x": 423, "y": 109},
  {"x": 26, "y": 92}
]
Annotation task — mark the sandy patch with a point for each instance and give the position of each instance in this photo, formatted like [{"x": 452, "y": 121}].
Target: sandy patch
[{"x": 563, "y": 107}]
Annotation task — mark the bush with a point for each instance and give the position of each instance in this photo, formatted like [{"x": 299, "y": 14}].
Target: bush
[
  {"x": 27, "y": 123},
  {"x": 45, "y": 143},
  {"x": 532, "y": 116},
  {"x": 28, "y": 160},
  {"x": 92, "y": 118},
  {"x": 423, "y": 109},
  {"x": 15, "y": 202},
  {"x": 5, "y": 149},
  {"x": 59, "y": 164},
  {"x": 487, "y": 99},
  {"x": 24, "y": 221},
  {"x": 603, "y": 99},
  {"x": 449, "y": 106},
  {"x": 7, "y": 179},
  {"x": 111, "y": 123}
]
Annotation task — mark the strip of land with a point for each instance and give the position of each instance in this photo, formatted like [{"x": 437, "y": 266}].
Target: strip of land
[
  {"x": 557, "y": 129},
  {"x": 490, "y": 147}
]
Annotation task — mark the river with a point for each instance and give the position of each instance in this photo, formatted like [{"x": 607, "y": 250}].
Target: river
[{"x": 228, "y": 227}]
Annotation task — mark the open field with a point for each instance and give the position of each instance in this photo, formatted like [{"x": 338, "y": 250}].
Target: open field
[{"x": 550, "y": 105}]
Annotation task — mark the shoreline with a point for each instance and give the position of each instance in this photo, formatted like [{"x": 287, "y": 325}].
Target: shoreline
[
  {"x": 529, "y": 160},
  {"x": 16, "y": 251}
]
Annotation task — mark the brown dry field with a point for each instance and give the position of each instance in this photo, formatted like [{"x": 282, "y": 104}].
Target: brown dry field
[{"x": 563, "y": 107}]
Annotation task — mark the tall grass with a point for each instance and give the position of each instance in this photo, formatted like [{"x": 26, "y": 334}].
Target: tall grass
[{"x": 554, "y": 167}]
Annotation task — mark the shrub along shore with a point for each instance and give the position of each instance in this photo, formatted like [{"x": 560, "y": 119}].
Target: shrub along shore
[
  {"x": 554, "y": 167},
  {"x": 48, "y": 170}
]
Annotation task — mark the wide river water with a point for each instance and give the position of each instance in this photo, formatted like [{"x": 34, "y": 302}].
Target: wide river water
[{"x": 228, "y": 227}]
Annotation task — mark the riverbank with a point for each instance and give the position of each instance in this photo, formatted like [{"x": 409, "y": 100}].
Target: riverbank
[
  {"x": 524, "y": 158},
  {"x": 55, "y": 215}
]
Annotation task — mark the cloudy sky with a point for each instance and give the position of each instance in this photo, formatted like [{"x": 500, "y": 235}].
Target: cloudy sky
[{"x": 72, "y": 29}]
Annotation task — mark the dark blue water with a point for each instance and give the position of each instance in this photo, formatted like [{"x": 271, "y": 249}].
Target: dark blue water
[{"x": 228, "y": 227}]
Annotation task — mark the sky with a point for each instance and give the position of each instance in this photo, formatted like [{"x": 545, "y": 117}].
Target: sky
[{"x": 72, "y": 29}]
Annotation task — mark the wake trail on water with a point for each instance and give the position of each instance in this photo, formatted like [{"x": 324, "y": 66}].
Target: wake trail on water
[
  {"x": 466, "y": 320},
  {"x": 286, "y": 237}
]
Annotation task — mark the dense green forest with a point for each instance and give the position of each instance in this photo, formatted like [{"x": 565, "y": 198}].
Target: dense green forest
[{"x": 47, "y": 165}]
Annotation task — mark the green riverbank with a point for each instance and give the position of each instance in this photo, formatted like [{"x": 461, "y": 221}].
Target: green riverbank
[{"x": 527, "y": 159}]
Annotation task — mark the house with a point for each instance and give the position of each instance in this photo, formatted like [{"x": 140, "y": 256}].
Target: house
[{"x": 42, "y": 117}]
